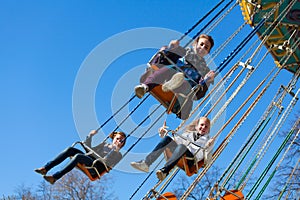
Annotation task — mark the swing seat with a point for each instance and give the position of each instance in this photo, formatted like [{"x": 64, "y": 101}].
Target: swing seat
[
  {"x": 183, "y": 163},
  {"x": 92, "y": 172},
  {"x": 168, "y": 99},
  {"x": 233, "y": 195},
  {"x": 167, "y": 195}
]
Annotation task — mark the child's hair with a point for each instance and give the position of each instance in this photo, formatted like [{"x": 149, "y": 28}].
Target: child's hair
[
  {"x": 113, "y": 134},
  {"x": 192, "y": 126},
  {"x": 208, "y": 37}
]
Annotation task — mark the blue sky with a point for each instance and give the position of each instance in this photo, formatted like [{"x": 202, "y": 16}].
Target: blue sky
[{"x": 45, "y": 47}]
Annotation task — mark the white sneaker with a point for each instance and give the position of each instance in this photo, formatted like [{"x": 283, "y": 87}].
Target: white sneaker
[
  {"x": 140, "y": 90},
  {"x": 141, "y": 165},
  {"x": 176, "y": 81}
]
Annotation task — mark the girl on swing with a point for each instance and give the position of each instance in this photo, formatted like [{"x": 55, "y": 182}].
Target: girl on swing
[
  {"x": 188, "y": 70},
  {"x": 103, "y": 149},
  {"x": 197, "y": 132}
]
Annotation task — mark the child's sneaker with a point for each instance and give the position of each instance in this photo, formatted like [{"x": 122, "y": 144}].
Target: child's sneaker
[
  {"x": 41, "y": 171},
  {"x": 50, "y": 179},
  {"x": 176, "y": 81},
  {"x": 140, "y": 90},
  {"x": 140, "y": 165}
]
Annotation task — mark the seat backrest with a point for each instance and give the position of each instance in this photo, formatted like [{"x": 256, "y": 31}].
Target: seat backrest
[
  {"x": 167, "y": 56},
  {"x": 167, "y": 99},
  {"x": 167, "y": 195}
]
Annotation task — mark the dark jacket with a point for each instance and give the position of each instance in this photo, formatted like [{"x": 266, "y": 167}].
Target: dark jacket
[{"x": 110, "y": 156}]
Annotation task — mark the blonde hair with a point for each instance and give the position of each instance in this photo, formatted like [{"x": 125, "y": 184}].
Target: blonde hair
[{"x": 192, "y": 126}]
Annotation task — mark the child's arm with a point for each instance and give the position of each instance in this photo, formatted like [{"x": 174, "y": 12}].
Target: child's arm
[
  {"x": 88, "y": 140},
  {"x": 210, "y": 142},
  {"x": 174, "y": 44},
  {"x": 209, "y": 77},
  {"x": 163, "y": 131}
]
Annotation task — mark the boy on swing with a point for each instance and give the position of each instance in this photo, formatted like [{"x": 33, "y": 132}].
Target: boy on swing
[{"x": 197, "y": 132}]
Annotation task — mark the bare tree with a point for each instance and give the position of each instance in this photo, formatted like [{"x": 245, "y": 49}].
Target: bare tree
[
  {"x": 21, "y": 192},
  {"x": 286, "y": 180},
  {"x": 73, "y": 186},
  {"x": 202, "y": 189}
]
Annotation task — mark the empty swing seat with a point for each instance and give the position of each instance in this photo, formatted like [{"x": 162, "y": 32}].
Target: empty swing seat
[
  {"x": 233, "y": 195},
  {"x": 167, "y": 195}
]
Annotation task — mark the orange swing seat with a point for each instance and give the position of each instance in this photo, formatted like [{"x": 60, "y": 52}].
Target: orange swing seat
[
  {"x": 183, "y": 163},
  {"x": 168, "y": 99},
  {"x": 233, "y": 195},
  {"x": 167, "y": 195},
  {"x": 92, "y": 172}
]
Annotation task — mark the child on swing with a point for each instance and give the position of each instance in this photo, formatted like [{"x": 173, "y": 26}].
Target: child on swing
[
  {"x": 103, "y": 149},
  {"x": 197, "y": 132},
  {"x": 188, "y": 70}
]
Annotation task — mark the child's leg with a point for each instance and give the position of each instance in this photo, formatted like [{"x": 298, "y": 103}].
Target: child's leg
[
  {"x": 185, "y": 88},
  {"x": 159, "y": 77},
  {"x": 79, "y": 158},
  {"x": 70, "y": 151},
  {"x": 179, "y": 151},
  {"x": 160, "y": 147}
]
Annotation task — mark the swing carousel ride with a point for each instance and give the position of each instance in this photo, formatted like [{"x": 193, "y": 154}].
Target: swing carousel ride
[{"x": 275, "y": 32}]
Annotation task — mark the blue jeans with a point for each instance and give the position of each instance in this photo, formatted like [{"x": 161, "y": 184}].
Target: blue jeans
[
  {"x": 77, "y": 157},
  {"x": 178, "y": 150}
]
